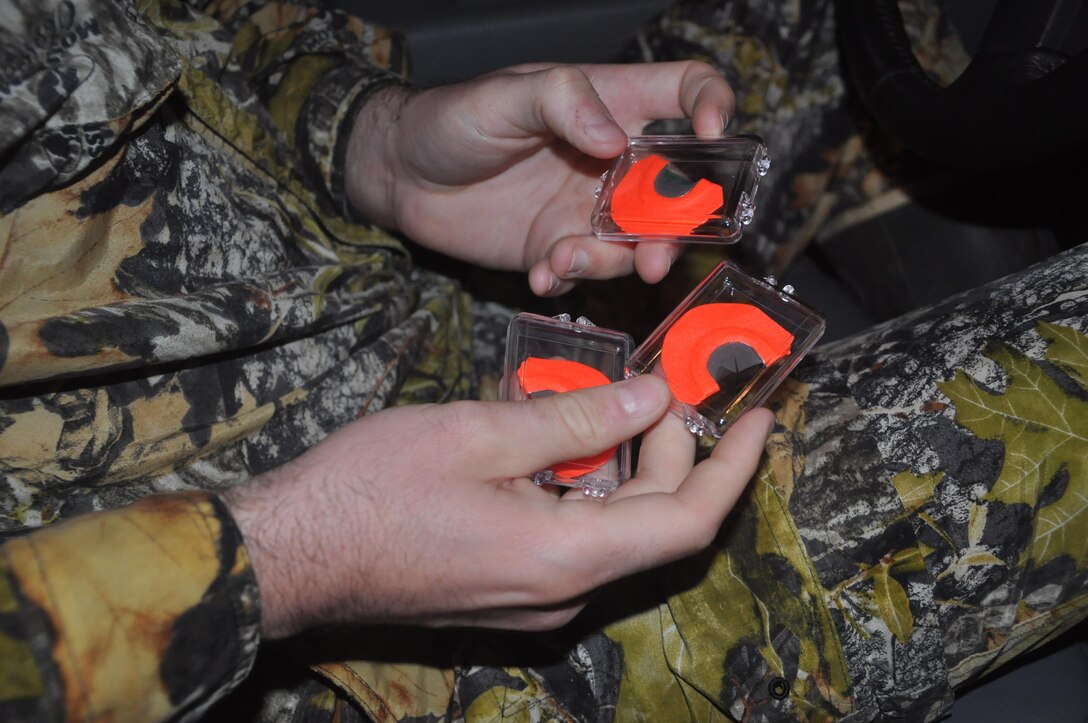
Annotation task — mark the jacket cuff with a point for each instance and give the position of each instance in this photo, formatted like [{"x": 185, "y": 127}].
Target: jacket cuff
[
  {"x": 326, "y": 121},
  {"x": 146, "y": 612}
]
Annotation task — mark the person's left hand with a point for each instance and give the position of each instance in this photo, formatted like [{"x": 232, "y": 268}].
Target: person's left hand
[
  {"x": 380, "y": 524},
  {"x": 500, "y": 170}
]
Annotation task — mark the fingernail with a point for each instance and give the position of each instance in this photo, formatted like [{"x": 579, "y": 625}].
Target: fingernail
[
  {"x": 579, "y": 261},
  {"x": 725, "y": 120},
  {"x": 670, "y": 258},
  {"x": 769, "y": 423},
  {"x": 639, "y": 398},
  {"x": 553, "y": 285},
  {"x": 603, "y": 130}
]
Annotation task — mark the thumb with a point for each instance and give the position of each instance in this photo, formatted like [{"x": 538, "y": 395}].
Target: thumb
[{"x": 572, "y": 425}]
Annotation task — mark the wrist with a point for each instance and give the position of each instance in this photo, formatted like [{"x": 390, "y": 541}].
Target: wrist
[
  {"x": 274, "y": 513},
  {"x": 371, "y": 162}
]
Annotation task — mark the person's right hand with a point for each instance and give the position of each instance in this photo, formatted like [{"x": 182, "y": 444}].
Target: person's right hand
[
  {"x": 426, "y": 515},
  {"x": 499, "y": 171}
]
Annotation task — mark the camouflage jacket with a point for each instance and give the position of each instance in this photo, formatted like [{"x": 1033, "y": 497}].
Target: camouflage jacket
[{"x": 185, "y": 302}]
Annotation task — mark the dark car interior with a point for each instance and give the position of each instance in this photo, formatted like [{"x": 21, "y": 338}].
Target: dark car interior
[{"x": 1012, "y": 132}]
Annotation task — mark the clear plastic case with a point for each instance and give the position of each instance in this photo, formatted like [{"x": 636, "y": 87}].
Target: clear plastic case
[
  {"x": 551, "y": 355},
  {"x": 727, "y": 346},
  {"x": 681, "y": 188}
]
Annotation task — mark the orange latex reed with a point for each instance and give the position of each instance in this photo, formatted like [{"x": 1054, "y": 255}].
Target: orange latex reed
[
  {"x": 562, "y": 375},
  {"x": 695, "y": 335},
  {"x": 637, "y": 207}
]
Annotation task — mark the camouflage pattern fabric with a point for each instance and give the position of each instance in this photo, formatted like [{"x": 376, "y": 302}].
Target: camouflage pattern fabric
[
  {"x": 191, "y": 614},
  {"x": 832, "y": 167},
  {"x": 919, "y": 520},
  {"x": 186, "y": 301}
]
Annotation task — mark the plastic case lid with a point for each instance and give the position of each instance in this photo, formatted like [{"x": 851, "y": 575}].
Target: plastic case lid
[
  {"x": 553, "y": 355},
  {"x": 681, "y": 188},
  {"x": 726, "y": 347}
]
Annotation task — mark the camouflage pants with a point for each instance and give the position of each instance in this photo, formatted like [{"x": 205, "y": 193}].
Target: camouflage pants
[{"x": 919, "y": 518}]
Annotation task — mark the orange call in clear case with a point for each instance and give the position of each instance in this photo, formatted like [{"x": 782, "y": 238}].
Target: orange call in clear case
[
  {"x": 546, "y": 355},
  {"x": 681, "y": 189},
  {"x": 727, "y": 346}
]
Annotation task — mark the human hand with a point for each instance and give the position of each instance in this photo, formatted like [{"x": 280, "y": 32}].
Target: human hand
[
  {"x": 500, "y": 170},
  {"x": 426, "y": 515}
]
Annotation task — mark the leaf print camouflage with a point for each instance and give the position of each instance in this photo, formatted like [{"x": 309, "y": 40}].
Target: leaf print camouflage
[
  {"x": 881, "y": 557},
  {"x": 185, "y": 301},
  {"x": 61, "y": 114},
  {"x": 831, "y": 165}
]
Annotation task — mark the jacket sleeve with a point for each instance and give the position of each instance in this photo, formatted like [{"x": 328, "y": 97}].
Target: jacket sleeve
[
  {"x": 309, "y": 69},
  {"x": 137, "y": 614}
]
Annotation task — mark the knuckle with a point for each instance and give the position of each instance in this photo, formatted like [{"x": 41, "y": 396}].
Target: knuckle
[
  {"x": 701, "y": 529},
  {"x": 703, "y": 532},
  {"x": 565, "y": 78},
  {"x": 701, "y": 68},
  {"x": 700, "y": 71},
  {"x": 697, "y": 535},
  {"x": 577, "y": 417},
  {"x": 700, "y": 78},
  {"x": 570, "y": 584},
  {"x": 553, "y": 575},
  {"x": 464, "y": 426},
  {"x": 539, "y": 589},
  {"x": 546, "y": 590}
]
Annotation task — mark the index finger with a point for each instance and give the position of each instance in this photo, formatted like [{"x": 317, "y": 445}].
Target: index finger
[{"x": 654, "y": 91}]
